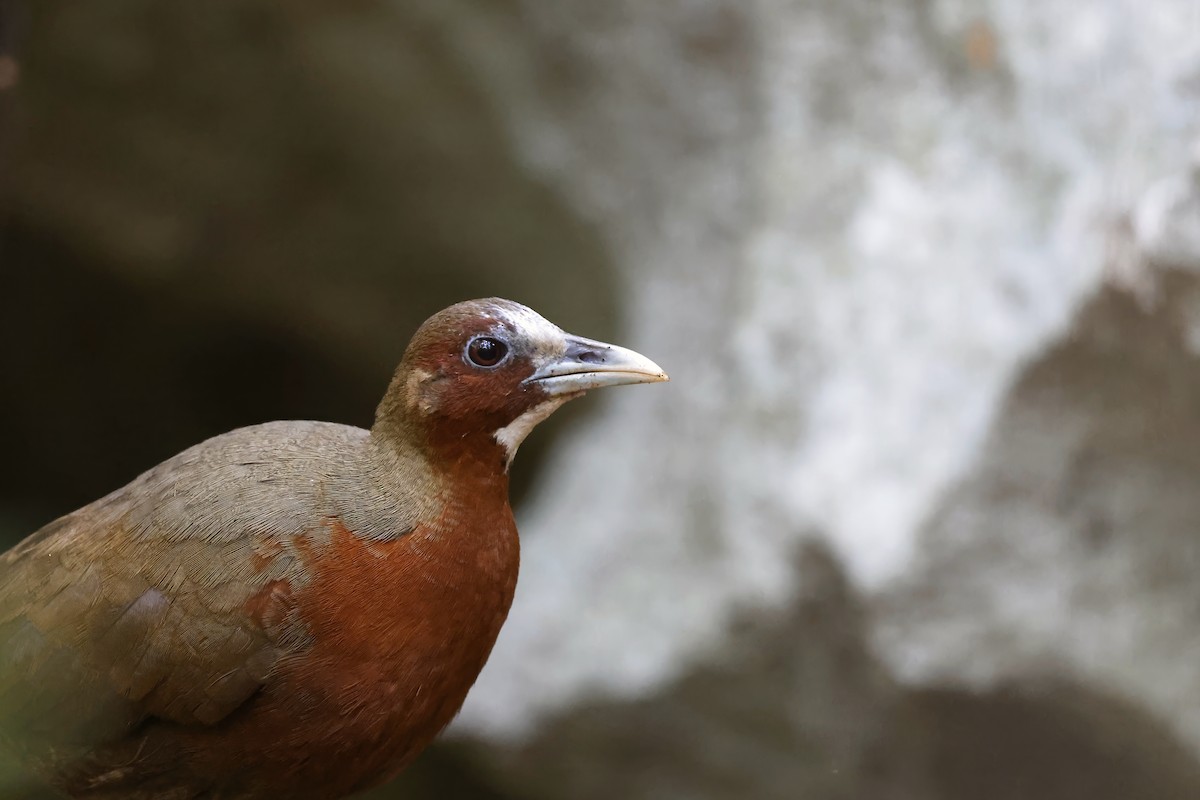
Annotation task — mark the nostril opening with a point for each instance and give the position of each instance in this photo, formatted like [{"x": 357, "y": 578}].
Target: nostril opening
[{"x": 590, "y": 357}]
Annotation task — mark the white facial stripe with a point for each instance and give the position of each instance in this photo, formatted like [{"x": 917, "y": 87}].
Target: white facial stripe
[
  {"x": 544, "y": 333},
  {"x": 512, "y": 434}
]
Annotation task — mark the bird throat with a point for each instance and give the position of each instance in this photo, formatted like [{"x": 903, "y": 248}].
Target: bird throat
[{"x": 512, "y": 434}]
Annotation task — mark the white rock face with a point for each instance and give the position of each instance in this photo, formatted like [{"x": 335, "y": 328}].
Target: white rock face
[{"x": 844, "y": 229}]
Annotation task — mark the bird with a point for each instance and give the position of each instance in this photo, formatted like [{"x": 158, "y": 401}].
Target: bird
[{"x": 292, "y": 609}]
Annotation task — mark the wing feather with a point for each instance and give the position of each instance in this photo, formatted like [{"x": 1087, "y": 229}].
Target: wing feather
[
  {"x": 90, "y": 650},
  {"x": 169, "y": 602}
]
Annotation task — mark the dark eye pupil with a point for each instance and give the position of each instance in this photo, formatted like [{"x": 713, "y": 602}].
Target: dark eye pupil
[{"x": 486, "y": 352}]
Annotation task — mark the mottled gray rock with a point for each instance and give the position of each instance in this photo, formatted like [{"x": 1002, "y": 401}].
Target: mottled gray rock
[
  {"x": 1167, "y": 220},
  {"x": 858, "y": 233},
  {"x": 1071, "y": 549},
  {"x": 844, "y": 229},
  {"x": 797, "y": 706}
]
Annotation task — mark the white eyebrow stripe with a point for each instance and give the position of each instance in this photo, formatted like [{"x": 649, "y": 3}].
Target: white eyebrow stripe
[{"x": 531, "y": 324}]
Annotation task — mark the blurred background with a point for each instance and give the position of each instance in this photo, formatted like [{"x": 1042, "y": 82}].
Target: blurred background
[{"x": 917, "y": 517}]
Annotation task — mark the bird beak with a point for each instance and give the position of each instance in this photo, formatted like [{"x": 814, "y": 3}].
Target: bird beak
[{"x": 589, "y": 364}]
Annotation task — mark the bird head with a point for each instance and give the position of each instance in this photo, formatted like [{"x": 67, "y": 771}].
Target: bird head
[{"x": 481, "y": 374}]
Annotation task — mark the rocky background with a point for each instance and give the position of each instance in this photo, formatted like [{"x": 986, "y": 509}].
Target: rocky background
[{"x": 918, "y": 516}]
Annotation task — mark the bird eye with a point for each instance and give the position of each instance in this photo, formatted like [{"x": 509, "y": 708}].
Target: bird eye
[{"x": 486, "y": 351}]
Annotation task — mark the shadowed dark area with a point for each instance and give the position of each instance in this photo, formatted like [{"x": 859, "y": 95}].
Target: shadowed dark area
[
  {"x": 108, "y": 379},
  {"x": 1052, "y": 742}
]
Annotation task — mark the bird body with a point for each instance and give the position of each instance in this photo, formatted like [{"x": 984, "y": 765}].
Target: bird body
[{"x": 294, "y": 609}]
